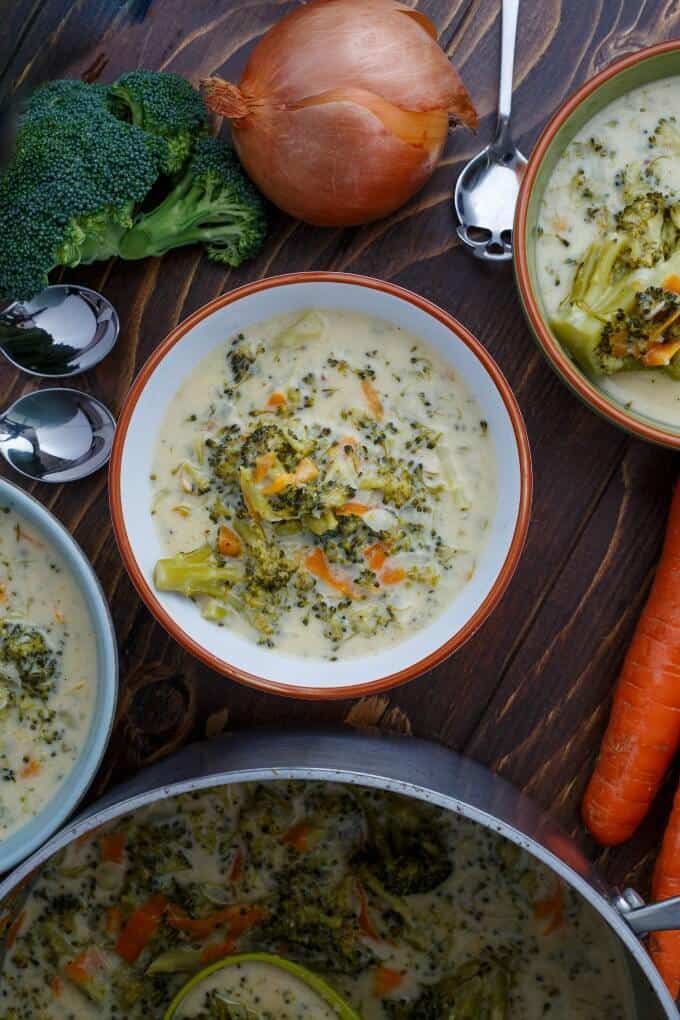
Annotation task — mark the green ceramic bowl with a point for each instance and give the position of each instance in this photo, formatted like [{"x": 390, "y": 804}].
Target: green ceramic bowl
[{"x": 640, "y": 68}]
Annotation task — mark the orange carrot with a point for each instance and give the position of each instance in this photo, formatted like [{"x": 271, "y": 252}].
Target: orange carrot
[
  {"x": 56, "y": 986},
  {"x": 664, "y": 946},
  {"x": 372, "y": 398},
  {"x": 385, "y": 980},
  {"x": 364, "y": 918},
  {"x": 644, "y": 728},
  {"x": 263, "y": 465},
  {"x": 298, "y": 837},
  {"x": 236, "y": 869},
  {"x": 392, "y": 575},
  {"x": 672, "y": 282},
  {"x": 31, "y": 768},
  {"x": 306, "y": 471},
  {"x": 317, "y": 564},
  {"x": 114, "y": 920},
  {"x": 375, "y": 556},
  {"x": 113, "y": 847},
  {"x": 3, "y": 592},
  {"x": 236, "y": 919},
  {"x": 661, "y": 354},
  {"x": 552, "y": 909},
  {"x": 84, "y": 969},
  {"x": 351, "y": 509},
  {"x": 228, "y": 542},
  {"x": 217, "y": 950},
  {"x": 14, "y": 929},
  {"x": 276, "y": 399},
  {"x": 140, "y": 928}
]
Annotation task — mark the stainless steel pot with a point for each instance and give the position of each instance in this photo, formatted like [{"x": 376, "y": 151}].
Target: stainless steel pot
[{"x": 404, "y": 765}]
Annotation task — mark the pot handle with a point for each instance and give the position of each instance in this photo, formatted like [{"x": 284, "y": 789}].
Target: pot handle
[{"x": 662, "y": 916}]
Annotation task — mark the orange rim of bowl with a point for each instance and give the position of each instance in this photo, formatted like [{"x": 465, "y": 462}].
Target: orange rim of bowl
[
  {"x": 431, "y": 660},
  {"x": 551, "y": 346}
]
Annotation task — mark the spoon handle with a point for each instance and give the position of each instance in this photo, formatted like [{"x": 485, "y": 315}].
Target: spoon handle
[{"x": 508, "y": 37}]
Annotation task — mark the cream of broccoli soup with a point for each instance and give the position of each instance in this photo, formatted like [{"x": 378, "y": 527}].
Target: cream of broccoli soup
[
  {"x": 608, "y": 250},
  {"x": 403, "y": 910},
  {"x": 48, "y": 672},
  {"x": 323, "y": 484}
]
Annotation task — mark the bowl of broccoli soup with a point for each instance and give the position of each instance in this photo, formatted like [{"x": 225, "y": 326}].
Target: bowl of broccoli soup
[
  {"x": 598, "y": 243},
  {"x": 320, "y": 483},
  {"x": 58, "y": 674}
]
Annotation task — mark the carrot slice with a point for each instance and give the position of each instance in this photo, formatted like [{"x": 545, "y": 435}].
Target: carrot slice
[
  {"x": 228, "y": 542},
  {"x": 140, "y": 928},
  {"x": 351, "y": 510},
  {"x": 385, "y": 980},
  {"x": 661, "y": 354},
  {"x": 375, "y": 556},
  {"x": 643, "y": 734},
  {"x": 392, "y": 575},
  {"x": 114, "y": 920},
  {"x": 277, "y": 399},
  {"x": 85, "y": 968},
  {"x": 56, "y": 986},
  {"x": 552, "y": 909},
  {"x": 281, "y": 482},
  {"x": 14, "y": 929},
  {"x": 263, "y": 465},
  {"x": 672, "y": 283},
  {"x": 217, "y": 950},
  {"x": 236, "y": 869},
  {"x": 372, "y": 399},
  {"x": 236, "y": 919},
  {"x": 113, "y": 847},
  {"x": 364, "y": 918},
  {"x": 317, "y": 564},
  {"x": 31, "y": 768},
  {"x": 306, "y": 471},
  {"x": 298, "y": 837}
]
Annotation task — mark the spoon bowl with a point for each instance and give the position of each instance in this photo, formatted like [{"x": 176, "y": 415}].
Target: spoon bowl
[
  {"x": 56, "y": 435},
  {"x": 63, "y": 331}
]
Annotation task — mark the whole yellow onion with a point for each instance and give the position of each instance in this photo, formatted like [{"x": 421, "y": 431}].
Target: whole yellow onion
[{"x": 343, "y": 109}]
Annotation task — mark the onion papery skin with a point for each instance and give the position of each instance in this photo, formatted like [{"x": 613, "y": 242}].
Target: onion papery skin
[{"x": 343, "y": 110}]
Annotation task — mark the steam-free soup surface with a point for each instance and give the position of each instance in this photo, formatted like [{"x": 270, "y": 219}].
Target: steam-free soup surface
[
  {"x": 617, "y": 184},
  {"x": 323, "y": 484},
  {"x": 47, "y": 672},
  {"x": 406, "y": 910}
]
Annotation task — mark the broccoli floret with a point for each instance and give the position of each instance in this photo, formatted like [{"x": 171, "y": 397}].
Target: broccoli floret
[
  {"x": 642, "y": 223},
  {"x": 478, "y": 990},
  {"x": 64, "y": 98},
  {"x": 214, "y": 203},
  {"x": 26, "y": 657},
  {"x": 267, "y": 566},
  {"x": 604, "y": 300},
  {"x": 405, "y": 849},
  {"x": 165, "y": 105},
  {"x": 69, "y": 194}
]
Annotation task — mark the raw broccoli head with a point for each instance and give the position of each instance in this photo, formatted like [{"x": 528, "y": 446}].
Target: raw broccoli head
[
  {"x": 214, "y": 203},
  {"x": 164, "y": 105},
  {"x": 69, "y": 194},
  {"x": 64, "y": 98}
]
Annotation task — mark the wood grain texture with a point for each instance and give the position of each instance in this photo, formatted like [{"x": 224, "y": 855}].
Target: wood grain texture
[{"x": 529, "y": 694}]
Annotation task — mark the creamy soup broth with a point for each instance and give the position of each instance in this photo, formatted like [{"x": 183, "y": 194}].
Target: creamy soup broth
[
  {"x": 352, "y": 884},
  {"x": 620, "y": 136},
  {"x": 48, "y": 670},
  {"x": 396, "y": 486}
]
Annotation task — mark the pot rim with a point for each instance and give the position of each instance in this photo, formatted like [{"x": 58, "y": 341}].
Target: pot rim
[
  {"x": 503, "y": 577},
  {"x": 435, "y": 775},
  {"x": 553, "y": 350}
]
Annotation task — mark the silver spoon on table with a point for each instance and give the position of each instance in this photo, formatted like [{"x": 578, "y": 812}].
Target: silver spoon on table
[
  {"x": 487, "y": 188},
  {"x": 64, "y": 330},
  {"x": 56, "y": 435}
]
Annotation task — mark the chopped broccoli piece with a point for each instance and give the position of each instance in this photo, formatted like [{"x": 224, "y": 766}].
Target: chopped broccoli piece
[
  {"x": 213, "y": 203},
  {"x": 478, "y": 990},
  {"x": 405, "y": 849},
  {"x": 195, "y": 573},
  {"x": 69, "y": 194},
  {"x": 642, "y": 223},
  {"x": 165, "y": 105},
  {"x": 26, "y": 658}
]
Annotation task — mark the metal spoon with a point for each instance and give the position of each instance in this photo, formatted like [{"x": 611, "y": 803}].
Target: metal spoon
[
  {"x": 62, "y": 331},
  {"x": 486, "y": 190},
  {"x": 56, "y": 435}
]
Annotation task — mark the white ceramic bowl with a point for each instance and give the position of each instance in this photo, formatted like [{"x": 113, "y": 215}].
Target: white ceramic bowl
[
  {"x": 41, "y": 826},
  {"x": 130, "y": 488}
]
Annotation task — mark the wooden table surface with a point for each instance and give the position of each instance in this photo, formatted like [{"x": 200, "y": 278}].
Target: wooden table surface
[{"x": 529, "y": 694}]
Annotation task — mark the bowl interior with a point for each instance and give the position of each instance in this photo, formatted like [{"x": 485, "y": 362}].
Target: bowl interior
[
  {"x": 137, "y": 530},
  {"x": 31, "y": 835},
  {"x": 642, "y": 72}
]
